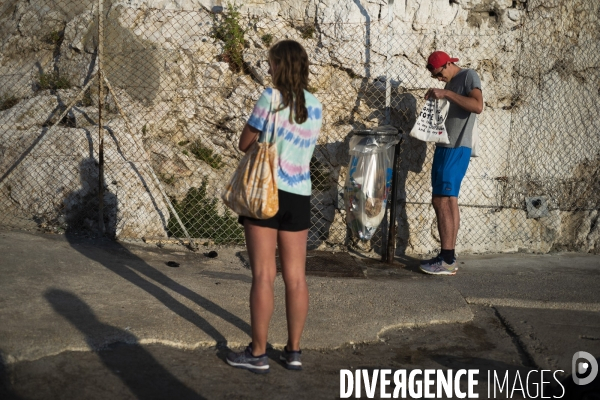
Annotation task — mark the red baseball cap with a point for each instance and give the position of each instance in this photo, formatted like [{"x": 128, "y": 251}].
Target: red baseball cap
[{"x": 438, "y": 59}]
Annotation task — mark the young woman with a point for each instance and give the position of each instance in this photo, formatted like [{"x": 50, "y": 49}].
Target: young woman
[{"x": 298, "y": 126}]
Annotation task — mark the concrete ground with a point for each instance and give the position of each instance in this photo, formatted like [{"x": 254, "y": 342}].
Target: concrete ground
[{"x": 91, "y": 318}]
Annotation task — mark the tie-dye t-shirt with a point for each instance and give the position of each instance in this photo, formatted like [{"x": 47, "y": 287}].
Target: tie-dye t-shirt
[{"x": 295, "y": 142}]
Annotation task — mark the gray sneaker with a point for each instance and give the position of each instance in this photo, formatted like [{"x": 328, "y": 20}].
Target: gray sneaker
[
  {"x": 245, "y": 359},
  {"x": 437, "y": 266},
  {"x": 291, "y": 359}
]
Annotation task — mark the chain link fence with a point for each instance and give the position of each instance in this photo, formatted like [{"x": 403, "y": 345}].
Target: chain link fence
[{"x": 123, "y": 118}]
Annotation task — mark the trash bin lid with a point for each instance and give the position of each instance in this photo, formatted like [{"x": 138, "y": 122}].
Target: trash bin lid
[
  {"x": 374, "y": 140},
  {"x": 384, "y": 130}
]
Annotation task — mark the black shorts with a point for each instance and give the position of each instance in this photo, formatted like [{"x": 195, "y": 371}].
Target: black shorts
[{"x": 293, "y": 214}]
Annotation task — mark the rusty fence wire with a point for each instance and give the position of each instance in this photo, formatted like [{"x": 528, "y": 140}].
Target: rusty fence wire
[{"x": 124, "y": 119}]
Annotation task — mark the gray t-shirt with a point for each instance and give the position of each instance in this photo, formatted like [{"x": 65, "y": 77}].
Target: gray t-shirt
[{"x": 460, "y": 122}]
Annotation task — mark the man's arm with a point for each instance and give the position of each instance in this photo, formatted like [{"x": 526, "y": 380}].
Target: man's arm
[{"x": 473, "y": 102}]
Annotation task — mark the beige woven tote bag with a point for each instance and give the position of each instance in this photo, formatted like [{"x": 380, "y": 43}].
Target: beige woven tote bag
[{"x": 252, "y": 191}]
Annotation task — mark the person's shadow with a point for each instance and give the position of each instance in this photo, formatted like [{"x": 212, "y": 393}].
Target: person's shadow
[
  {"x": 129, "y": 266},
  {"x": 138, "y": 369}
]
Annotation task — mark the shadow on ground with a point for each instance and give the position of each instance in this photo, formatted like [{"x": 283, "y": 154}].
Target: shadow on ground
[{"x": 146, "y": 378}]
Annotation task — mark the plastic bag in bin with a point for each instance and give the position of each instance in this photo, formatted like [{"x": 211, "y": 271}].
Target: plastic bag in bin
[{"x": 368, "y": 182}]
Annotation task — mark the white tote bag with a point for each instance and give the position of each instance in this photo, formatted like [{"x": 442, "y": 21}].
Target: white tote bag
[{"x": 430, "y": 122}]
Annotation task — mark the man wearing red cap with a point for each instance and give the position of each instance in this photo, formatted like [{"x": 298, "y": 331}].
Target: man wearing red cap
[{"x": 450, "y": 161}]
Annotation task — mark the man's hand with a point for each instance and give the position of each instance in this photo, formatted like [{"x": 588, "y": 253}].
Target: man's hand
[
  {"x": 473, "y": 102},
  {"x": 435, "y": 94}
]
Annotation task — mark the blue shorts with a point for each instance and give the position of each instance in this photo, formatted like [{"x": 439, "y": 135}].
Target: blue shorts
[{"x": 448, "y": 170}]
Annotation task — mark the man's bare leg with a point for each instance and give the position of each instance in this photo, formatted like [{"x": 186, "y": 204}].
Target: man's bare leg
[
  {"x": 456, "y": 216},
  {"x": 448, "y": 220}
]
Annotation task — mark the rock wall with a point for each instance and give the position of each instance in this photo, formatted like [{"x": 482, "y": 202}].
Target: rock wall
[{"x": 187, "y": 103}]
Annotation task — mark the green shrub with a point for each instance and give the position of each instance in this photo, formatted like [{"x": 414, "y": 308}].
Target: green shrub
[
  {"x": 7, "y": 102},
  {"x": 267, "y": 39},
  {"x": 200, "y": 218},
  {"x": 87, "y": 100},
  {"x": 307, "y": 31},
  {"x": 169, "y": 179},
  {"x": 54, "y": 37},
  {"x": 205, "y": 154},
  {"x": 53, "y": 81},
  {"x": 228, "y": 29}
]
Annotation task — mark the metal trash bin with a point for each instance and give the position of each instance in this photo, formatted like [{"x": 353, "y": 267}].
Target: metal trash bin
[{"x": 369, "y": 178}]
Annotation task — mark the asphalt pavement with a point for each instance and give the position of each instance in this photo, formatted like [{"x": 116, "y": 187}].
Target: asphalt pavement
[{"x": 70, "y": 293}]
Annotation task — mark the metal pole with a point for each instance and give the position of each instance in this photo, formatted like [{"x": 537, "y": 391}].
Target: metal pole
[
  {"x": 387, "y": 254},
  {"x": 100, "y": 107},
  {"x": 388, "y": 87},
  {"x": 391, "y": 241}
]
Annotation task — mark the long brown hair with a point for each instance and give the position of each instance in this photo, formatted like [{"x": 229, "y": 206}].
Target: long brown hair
[{"x": 290, "y": 76}]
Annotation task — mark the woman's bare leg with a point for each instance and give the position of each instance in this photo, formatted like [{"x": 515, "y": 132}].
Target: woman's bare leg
[
  {"x": 261, "y": 243},
  {"x": 292, "y": 253}
]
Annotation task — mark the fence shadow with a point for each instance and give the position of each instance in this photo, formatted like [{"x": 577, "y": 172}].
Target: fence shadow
[
  {"x": 132, "y": 268},
  {"x": 151, "y": 381},
  {"x": 327, "y": 195},
  {"x": 136, "y": 271},
  {"x": 18, "y": 160}
]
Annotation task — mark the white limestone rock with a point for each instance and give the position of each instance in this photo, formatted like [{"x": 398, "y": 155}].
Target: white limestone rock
[{"x": 32, "y": 112}]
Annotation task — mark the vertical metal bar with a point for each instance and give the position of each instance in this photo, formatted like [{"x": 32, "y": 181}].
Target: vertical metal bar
[
  {"x": 100, "y": 127},
  {"x": 388, "y": 87},
  {"x": 391, "y": 208},
  {"x": 391, "y": 241}
]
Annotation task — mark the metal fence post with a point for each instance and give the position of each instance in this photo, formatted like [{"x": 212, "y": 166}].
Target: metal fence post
[
  {"x": 390, "y": 249},
  {"x": 388, "y": 87},
  {"x": 100, "y": 128}
]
